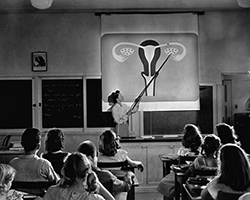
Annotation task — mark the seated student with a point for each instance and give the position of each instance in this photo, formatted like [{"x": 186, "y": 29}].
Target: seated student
[
  {"x": 208, "y": 159},
  {"x": 29, "y": 166},
  {"x": 119, "y": 186},
  {"x": 78, "y": 182},
  {"x": 191, "y": 141},
  {"x": 226, "y": 133},
  {"x": 234, "y": 173},
  {"x": 7, "y": 174},
  {"x": 54, "y": 145},
  {"x": 111, "y": 151},
  {"x": 191, "y": 145}
]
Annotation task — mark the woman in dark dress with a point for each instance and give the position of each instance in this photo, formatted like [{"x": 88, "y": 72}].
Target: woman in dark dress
[{"x": 54, "y": 145}]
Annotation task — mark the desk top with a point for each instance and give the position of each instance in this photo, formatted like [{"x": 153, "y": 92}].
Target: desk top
[
  {"x": 168, "y": 157},
  {"x": 192, "y": 195},
  {"x": 194, "y": 186}
]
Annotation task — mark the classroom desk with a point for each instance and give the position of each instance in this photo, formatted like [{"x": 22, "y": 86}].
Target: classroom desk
[
  {"x": 193, "y": 188},
  {"x": 7, "y": 155},
  {"x": 180, "y": 178},
  {"x": 192, "y": 195},
  {"x": 167, "y": 162}
]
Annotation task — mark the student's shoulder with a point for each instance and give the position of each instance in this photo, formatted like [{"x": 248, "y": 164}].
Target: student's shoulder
[
  {"x": 13, "y": 160},
  {"x": 245, "y": 196},
  {"x": 44, "y": 161},
  {"x": 122, "y": 151},
  {"x": 94, "y": 197}
]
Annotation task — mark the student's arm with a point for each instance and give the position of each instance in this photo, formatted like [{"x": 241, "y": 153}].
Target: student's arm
[
  {"x": 48, "y": 172},
  {"x": 122, "y": 185},
  {"x": 134, "y": 163}
]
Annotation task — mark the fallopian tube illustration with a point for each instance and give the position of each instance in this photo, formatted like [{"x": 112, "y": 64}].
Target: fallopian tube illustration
[{"x": 149, "y": 52}]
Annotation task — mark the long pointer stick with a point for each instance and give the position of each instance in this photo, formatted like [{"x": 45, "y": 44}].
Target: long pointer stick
[{"x": 146, "y": 87}]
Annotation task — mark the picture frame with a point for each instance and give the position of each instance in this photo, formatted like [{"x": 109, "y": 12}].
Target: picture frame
[{"x": 39, "y": 61}]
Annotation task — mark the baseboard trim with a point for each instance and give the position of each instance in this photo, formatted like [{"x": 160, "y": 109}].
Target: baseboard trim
[{"x": 145, "y": 189}]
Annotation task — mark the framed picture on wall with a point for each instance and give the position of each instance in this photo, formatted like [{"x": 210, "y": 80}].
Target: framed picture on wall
[{"x": 39, "y": 61}]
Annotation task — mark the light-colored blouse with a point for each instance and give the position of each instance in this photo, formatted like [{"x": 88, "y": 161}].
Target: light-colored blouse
[{"x": 119, "y": 113}]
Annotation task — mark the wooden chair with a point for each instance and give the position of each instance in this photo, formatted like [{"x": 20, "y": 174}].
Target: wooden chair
[
  {"x": 5, "y": 143},
  {"x": 120, "y": 174},
  {"x": 122, "y": 164},
  {"x": 35, "y": 188}
]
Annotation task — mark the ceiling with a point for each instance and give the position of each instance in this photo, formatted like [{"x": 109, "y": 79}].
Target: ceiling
[{"x": 8, "y": 6}]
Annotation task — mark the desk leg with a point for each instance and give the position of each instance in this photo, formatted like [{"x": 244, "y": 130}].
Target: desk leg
[
  {"x": 177, "y": 188},
  {"x": 164, "y": 167},
  {"x": 166, "y": 171}
]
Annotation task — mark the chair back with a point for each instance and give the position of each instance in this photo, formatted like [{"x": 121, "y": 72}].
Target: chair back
[
  {"x": 36, "y": 188},
  {"x": 123, "y": 165},
  {"x": 5, "y": 143},
  {"x": 229, "y": 196},
  {"x": 120, "y": 175},
  {"x": 112, "y": 164}
]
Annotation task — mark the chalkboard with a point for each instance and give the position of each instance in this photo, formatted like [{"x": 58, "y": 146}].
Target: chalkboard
[
  {"x": 95, "y": 116},
  {"x": 15, "y": 104},
  {"x": 62, "y": 103},
  {"x": 172, "y": 122}
]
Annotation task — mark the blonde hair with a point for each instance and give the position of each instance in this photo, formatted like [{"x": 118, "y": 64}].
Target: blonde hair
[{"x": 7, "y": 174}]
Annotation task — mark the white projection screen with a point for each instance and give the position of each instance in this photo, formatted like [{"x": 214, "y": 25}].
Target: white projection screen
[{"x": 131, "y": 59}]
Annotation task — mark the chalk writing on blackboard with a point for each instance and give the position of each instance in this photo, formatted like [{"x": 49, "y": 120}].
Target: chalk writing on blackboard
[{"x": 62, "y": 103}]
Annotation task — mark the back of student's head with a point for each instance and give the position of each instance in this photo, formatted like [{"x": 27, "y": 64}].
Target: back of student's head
[
  {"x": 55, "y": 140},
  {"x": 192, "y": 138},
  {"x": 77, "y": 166},
  {"x": 210, "y": 145},
  {"x": 88, "y": 148},
  {"x": 226, "y": 133},
  {"x": 234, "y": 167},
  {"x": 108, "y": 144},
  {"x": 7, "y": 174},
  {"x": 31, "y": 139}
]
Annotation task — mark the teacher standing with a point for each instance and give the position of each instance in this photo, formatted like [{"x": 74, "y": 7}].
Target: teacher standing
[{"x": 121, "y": 113}]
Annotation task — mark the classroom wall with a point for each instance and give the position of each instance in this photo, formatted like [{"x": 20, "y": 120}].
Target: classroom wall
[
  {"x": 224, "y": 44},
  {"x": 72, "y": 41}
]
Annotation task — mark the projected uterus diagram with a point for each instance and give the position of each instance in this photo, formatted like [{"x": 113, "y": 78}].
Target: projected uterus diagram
[
  {"x": 149, "y": 52},
  {"x": 166, "y": 63}
]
